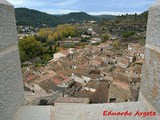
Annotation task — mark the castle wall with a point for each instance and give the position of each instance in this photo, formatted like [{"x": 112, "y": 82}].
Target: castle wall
[
  {"x": 150, "y": 81},
  {"x": 11, "y": 87}
]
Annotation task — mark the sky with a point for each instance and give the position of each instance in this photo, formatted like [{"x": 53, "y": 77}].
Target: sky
[{"x": 93, "y": 7}]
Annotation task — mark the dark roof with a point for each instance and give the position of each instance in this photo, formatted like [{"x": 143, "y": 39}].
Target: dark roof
[
  {"x": 137, "y": 69},
  {"x": 84, "y": 94},
  {"x": 49, "y": 85},
  {"x": 101, "y": 94},
  {"x": 121, "y": 94},
  {"x": 122, "y": 77},
  {"x": 95, "y": 72}
]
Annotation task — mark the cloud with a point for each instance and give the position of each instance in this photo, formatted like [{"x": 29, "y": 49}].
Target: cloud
[
  {"x": 89, "y": 6},
  {"x": 16, "y": 2},
  {"x": 112, "y": 13},
  {"x": 58, "y": 11},
  {"x": 66, "y": 3}
]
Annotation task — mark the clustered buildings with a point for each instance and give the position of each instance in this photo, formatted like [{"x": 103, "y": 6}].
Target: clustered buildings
[{"x": 93, "y": 74}]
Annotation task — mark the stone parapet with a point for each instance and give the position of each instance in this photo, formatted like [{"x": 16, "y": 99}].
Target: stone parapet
[
  {"x": 35, "y": 113},
  {"x": 8, "y": 30},
  {"x": 95, "y": 112},
  {"x": 153, "y": 27},
  {"x": 150, "y": 80},
  {"x": 11, "y": 86}
]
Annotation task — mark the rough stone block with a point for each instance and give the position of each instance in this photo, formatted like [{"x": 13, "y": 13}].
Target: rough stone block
[
  {"x": 8, "y": 30},
  {"x": 11, "y": 87},
  {"x": 34, "y": 113},
  {"x": 95, "y": 112},
  {"x": 150, "y": 81},
  {"x": 153, "y": 27}
]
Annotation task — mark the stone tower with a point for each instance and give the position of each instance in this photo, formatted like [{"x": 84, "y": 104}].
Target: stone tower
[
  {"x": 11, "y": 87},
  {"x": 150, "y": 83}
]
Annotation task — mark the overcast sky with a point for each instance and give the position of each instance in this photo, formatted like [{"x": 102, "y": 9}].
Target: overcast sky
[{"x": 90, "y": 6}]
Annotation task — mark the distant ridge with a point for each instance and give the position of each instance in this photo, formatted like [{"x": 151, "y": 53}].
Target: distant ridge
[{"x": 25, "y": 16}]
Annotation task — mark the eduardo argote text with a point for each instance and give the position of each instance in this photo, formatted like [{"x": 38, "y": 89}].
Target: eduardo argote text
[{"x": 128, "y": 113}]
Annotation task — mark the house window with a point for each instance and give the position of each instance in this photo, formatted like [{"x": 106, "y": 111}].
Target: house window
[{"x": 112, "y": 100}]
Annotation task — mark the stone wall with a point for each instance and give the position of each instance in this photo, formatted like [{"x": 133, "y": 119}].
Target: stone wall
[
  {"x": 150, "y": 83},
  {"x": 11, "y": 87}
]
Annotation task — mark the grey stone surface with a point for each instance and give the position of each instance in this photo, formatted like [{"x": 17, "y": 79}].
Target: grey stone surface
[
  {"x": 95, "y": 112},
  {"x": 153, "y": 27},
  {"x": 150, "y": 83},
  {"x": 34, "y": 113},
  {"x": 11, "y": 86},
  {"x": 8, "y": 31}
]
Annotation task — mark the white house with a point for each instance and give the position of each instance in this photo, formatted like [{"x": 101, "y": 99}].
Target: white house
[
  {"x": 61, "y": 54},
  {"x": 81, "y": 79},
  {"x": 123, "y": 62},
  {"x": 140, "y": 52},
  {"x": 91, "y": 86},
  {"x": 96, "y": 40}
]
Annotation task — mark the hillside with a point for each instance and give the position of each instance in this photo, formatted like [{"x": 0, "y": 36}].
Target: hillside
[
  {"x": 127, "y": 27},
  {"x": 77, "y": 17},
  {"x": 25, "y": 16},
  {"x": 127, "y": 22}
]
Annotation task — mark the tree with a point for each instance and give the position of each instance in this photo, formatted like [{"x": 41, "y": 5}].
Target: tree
[
  {"x": 128, "y": 34},
  {"x": 43, "y": 102},
  {"x": 105, "y": 37},
  {"x": 29, "y": 48},
  {"x": 23, "y": 56},
  {"x": 47, "y": 34},
  {"x": 64, "y": 30},
  {"x": 116, "y": 44}
]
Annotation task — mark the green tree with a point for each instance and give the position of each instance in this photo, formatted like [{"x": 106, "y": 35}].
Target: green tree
[
  {"x": 128, "y": 34},
  {"x": 47, "y": 34},
  {"x": 116, "y": 44},
  {"x": 105, "y": 37},
  {"x": 43, "y": 102},
  {"x": 29, "y": 48},
  {"x": 23, "y": 56},
  {"x": 64, "y": 30}
]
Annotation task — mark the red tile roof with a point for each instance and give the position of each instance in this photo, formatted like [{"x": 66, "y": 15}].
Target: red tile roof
[{"x": 31, "y": 77}]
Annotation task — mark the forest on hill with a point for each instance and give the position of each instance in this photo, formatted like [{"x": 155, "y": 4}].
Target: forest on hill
[{"x": 25, "y": 16}]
